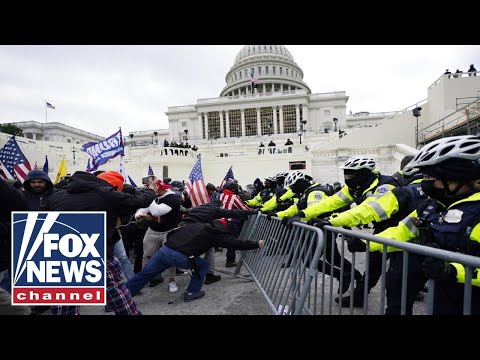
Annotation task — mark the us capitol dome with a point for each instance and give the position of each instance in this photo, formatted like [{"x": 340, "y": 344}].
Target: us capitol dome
[{"x": 272, "y": 66}]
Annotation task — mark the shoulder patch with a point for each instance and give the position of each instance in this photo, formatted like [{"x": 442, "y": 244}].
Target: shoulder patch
[{"x": 382, "y": 189}]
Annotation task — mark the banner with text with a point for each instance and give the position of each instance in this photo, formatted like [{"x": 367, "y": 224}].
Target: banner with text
[{"x": 105, "y": 150}]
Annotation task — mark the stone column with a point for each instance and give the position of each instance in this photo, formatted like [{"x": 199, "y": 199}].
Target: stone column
[
  {"x": 259, "y": 122},
  {"x": 297, "y": 116},
  {"x": 242, "y": 116},
  {"x": 198, "y": 125},
  {"x": 227, "y": 120},
  {"x": 222, "y": 133},
  {"x": 206, "y": 126},
  {"x": 281, "y": 119},
  {"x": 305, "y": 112},
  {"x": 264, "y": 88},
  {"x": 275, "y": 127}
]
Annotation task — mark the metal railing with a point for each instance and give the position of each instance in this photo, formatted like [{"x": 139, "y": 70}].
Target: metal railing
[
  {"x": 284, "y": 287},
  {"x": 283, "y": 271}
]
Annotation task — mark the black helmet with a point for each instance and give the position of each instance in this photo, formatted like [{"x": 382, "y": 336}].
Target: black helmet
[{"x": 231, "y": 185}]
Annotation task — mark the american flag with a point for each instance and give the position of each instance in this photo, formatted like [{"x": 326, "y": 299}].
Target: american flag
[
  {"x": 13, "y": 164},
  {"x": 150, "y": 171},
  {"x": 227, "y": 177},
  {"x": 196, "y": 186}
]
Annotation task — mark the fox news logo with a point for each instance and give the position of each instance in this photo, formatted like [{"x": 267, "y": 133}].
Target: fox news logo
[{"x": 58, "y": 258}]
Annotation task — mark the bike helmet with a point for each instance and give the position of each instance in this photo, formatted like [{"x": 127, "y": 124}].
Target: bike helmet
[
  {"x": 283, "y": 174},
  {"x": 410, "y": 172},
  {"x": 271, "y": 179},
  {"x": 358, "y": 163},
  {"x": 465, "y": 147},
  {"x": 293, "y": 177}
]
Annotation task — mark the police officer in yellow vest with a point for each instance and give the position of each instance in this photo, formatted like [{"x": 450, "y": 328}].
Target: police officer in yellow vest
[
  {"x": 312, "y": 194},
  {"x": 393, "y": 206},
  {"x": 283, "y": 197},
  {"x": 449, "y": 219},
  {"x": 363, "y": 184},
  {"x": 266, "y": 194}
]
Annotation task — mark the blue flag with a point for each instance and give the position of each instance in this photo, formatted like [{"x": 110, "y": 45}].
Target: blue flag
[
  {"x": 150, "y": 171},
  {"x": 105, "y": 150},
  {"x": 131, "y": 181},
  {"x": 45, "y": 166}
]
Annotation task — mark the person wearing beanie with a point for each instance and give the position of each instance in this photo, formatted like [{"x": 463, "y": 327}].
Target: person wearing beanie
[
  {"x": 38, "y": 188},
  {"x": 114, "y": 178},
  {"x": 86, "y": 192}
]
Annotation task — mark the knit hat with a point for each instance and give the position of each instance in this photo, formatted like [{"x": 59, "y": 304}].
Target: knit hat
[{"x": 114, "y": 178}]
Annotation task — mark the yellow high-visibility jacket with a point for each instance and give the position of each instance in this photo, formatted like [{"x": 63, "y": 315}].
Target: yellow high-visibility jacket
[{"x": 407, "y": 230}]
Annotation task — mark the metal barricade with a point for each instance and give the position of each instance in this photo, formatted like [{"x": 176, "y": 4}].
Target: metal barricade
[{"x": 281, "y": 269}]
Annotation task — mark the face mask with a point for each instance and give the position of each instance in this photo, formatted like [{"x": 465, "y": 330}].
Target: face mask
[
  {"x": 434, "y": 193},
  {"x": 355, "y": 182}
]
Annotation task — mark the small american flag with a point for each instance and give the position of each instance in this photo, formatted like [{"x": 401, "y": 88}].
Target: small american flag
[
  {"x": 150, "y": 171},
  {"x": 13, "y": 164},
  {"x": 227, "y": 177},
  {"x": 196, "y": 186},
  {"x": 50, "y": 105}
]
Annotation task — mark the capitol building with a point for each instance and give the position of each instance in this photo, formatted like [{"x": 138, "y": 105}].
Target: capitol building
[{"x": 265, "y": 100}]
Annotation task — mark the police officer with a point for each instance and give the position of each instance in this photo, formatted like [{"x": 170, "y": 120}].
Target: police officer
[
  {"x": 362, "y": 184},
  {"x": 266, "y": 194},
  {"x": 310, "y": 194},
  {"x": 389, "y": 208},
  {"x": 449, "y": 219},
  {"x": 283, "y": 197}
]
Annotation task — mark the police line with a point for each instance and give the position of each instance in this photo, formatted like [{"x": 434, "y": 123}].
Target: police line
[{"x": 281, "y": 269}]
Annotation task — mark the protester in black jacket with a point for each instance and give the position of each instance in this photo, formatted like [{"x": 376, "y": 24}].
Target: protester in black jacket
[
  {"x": 38, "y": 188},
  {"x": 12, "y": 200},
  {"x": 207, "y": 212},
  {"x": 184, "y": 246},
  {"x": 87, "y": 192}
]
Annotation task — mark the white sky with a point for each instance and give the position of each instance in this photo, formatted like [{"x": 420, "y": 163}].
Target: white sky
[{"x": 99, "y": 88}]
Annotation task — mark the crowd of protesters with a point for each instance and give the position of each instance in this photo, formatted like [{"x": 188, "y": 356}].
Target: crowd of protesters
[{"x": 166, "y": 235}]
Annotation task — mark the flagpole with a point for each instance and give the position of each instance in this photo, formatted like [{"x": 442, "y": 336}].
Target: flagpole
[{"x": 46, "y": 120}]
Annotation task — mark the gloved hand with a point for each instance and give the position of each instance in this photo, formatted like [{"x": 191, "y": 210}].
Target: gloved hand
[
  {"x": 288, "y": 221},
  {"x": 270, "y": 214},
  {"x": 438, "y": 269},
  {"x": 322, "y": 222},
  {"x": 356, "y": 245}
]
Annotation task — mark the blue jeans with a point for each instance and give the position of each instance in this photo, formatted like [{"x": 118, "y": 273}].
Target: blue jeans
[
  {"x": 161, "y": 261},
  {"x": 121, "y": 254}
]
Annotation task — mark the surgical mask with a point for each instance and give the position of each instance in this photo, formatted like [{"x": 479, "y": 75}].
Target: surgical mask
[{"x": 434, "y": 193}]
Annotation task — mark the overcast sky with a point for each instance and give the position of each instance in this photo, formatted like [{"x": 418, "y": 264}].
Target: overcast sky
[{"x": 99, "y": 88}]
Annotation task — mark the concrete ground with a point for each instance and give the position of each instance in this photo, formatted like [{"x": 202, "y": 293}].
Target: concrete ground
[
  {"x": 229, "y": 296},
  {"x": 232, "y": 296}
]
